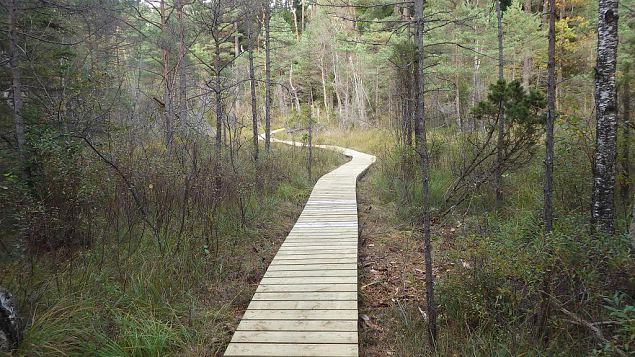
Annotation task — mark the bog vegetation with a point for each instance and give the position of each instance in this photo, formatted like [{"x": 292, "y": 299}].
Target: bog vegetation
[{"x": 139, "y": 207}]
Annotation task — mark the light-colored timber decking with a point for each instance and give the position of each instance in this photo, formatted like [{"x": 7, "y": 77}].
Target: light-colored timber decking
[{"x": 306, "y": 304}]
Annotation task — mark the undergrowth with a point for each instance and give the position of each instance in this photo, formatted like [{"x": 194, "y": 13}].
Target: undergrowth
[
  {"x": 497, "y": 268},
  {"x": 119, "y": 294}
]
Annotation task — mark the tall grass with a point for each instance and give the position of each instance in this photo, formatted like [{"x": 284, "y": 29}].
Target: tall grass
[{"x": 121, "y": 296}]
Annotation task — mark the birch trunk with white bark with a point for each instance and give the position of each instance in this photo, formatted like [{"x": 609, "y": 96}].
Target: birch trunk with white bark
[{"x": 603, "y": 210}]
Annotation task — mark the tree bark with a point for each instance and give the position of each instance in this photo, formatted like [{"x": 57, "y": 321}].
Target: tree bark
[
  {"x": 425, "y": 174},
  {"x": 606, "y": 119},
  {"x": 336, "y": 85},
  {"x": 181, "y": 68},
  {"x": 267, "y": 77},
  {"x": 543, "y": 313},
  {"x": 325, "y": 96},
  {"x": 417, "y": 101},
  {"x": 252, "y": 81},
  {"x": 457, "y": 88},
  {"x": 527, "y": 64},
  {"x": 302, "y": 15},
  {"x": 475, "y": 83},
  {"x": 16, "y": 87},
  {"x": 501, "y": 116},
  {"x": 165, "y": 67},
  {"x": 295, "y": 21},
  {"x": 626, "y": 136},
  {"x": 551, "y": 116},
  {"x": 631, "y": 229},
  {"x": 218, "y": 99},
  {"x": 293, "y": 90},
  {"x": 310, "y": 142}
]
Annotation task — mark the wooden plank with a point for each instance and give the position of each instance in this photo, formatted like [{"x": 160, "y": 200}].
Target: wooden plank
[
  {"x": 300, "y": 315},
  {"x": 324, "y": 238},
  {"x": 286, "y": 296},
  {"x": 308, "y": 244},
  {"x": 310, "y": 273},
  {"x": 312, "y": 280},
  {"x": 294, "y": 337},
  {"x": 297, "y": 325},
  {"x": 281, "y": 267},
  {"x": 314, "y": 261},
  {"x": 348, "y": 239},
  {"x": 323, "y": 253},
  {"x": 325, "y": 249},
  {"x": 278, "y": 349},
  {"x": 321, "y": 246},
  {"x": 303, "y": 305},
  {"x": 307, "y": 287},
  {"x": 331, "y": 253}
]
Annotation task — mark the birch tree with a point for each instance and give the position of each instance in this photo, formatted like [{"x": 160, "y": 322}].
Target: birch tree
[{"x": 603, "y": 210}]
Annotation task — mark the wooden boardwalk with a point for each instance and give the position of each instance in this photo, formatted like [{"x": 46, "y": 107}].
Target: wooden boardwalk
[{"x": 306, "y": 304}]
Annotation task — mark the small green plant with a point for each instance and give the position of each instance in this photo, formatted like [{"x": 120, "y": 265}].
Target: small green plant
[{"x": 622, "y": 312}]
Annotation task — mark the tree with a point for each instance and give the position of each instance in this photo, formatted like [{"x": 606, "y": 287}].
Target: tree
[
  {"x": 16, "y": 86},
  {"x": 252, "y": 35},
  {"x": 626, "y": 134},
  {"x": 267, "y": 23},
  {"x": 179, "y": 4},
  {"x": 523, "y": 130},
  {"x": 551, "y": 115},
  {"x": 501, "y": 114},
  {"x": 603, "y": 205},
  {"x": 164, "y": 44},
  {"x": 425, "y": 172}
]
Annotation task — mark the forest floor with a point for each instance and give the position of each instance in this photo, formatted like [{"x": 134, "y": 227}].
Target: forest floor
[{"x": 392, "y": 276}]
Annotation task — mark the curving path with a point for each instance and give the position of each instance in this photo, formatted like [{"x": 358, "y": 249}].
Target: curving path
[{"x": 306, "y": 304}]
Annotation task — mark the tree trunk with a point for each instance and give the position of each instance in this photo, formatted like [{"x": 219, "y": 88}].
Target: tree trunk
[
  {"x": 408, "y": 109},
  {"x": 323, "y": 77},
  {"x": 181, "y": 68},
  {"x": 527, "y": 64},
  {"x": 606, "y": 118},
  {"x": 626, "y": 136},
  {"x": 543, "y": 313},
  {"x": 295, "y": 21},
  {"x": 551, "y": 116},
  {"x": 310, "y": 142},
  {"x": 16, "y": 88},
  {"x": 457, "y": 85},
  {"x": 425, "y": 174},
  {"x": 475, "y": 83},
  {"x": 631, "y": 229},
  {"x": 236, "y": 40},
  {"x": 252, "y": 81},
  {"x": 302, "y": 14},
  {"x": 295, "y": 93},
  {"x": 218, "y": 100},
  {"x": 417, "y": 99},
  {"x": 501, "y": 115},
  {"x": 267, "y": 78},
  {"x": 165, "y": 66},
  {"x": 336, "y": 85}
]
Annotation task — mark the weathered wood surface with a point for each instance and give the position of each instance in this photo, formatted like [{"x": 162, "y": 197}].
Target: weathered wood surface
[{"x": 306, "y": 304}]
